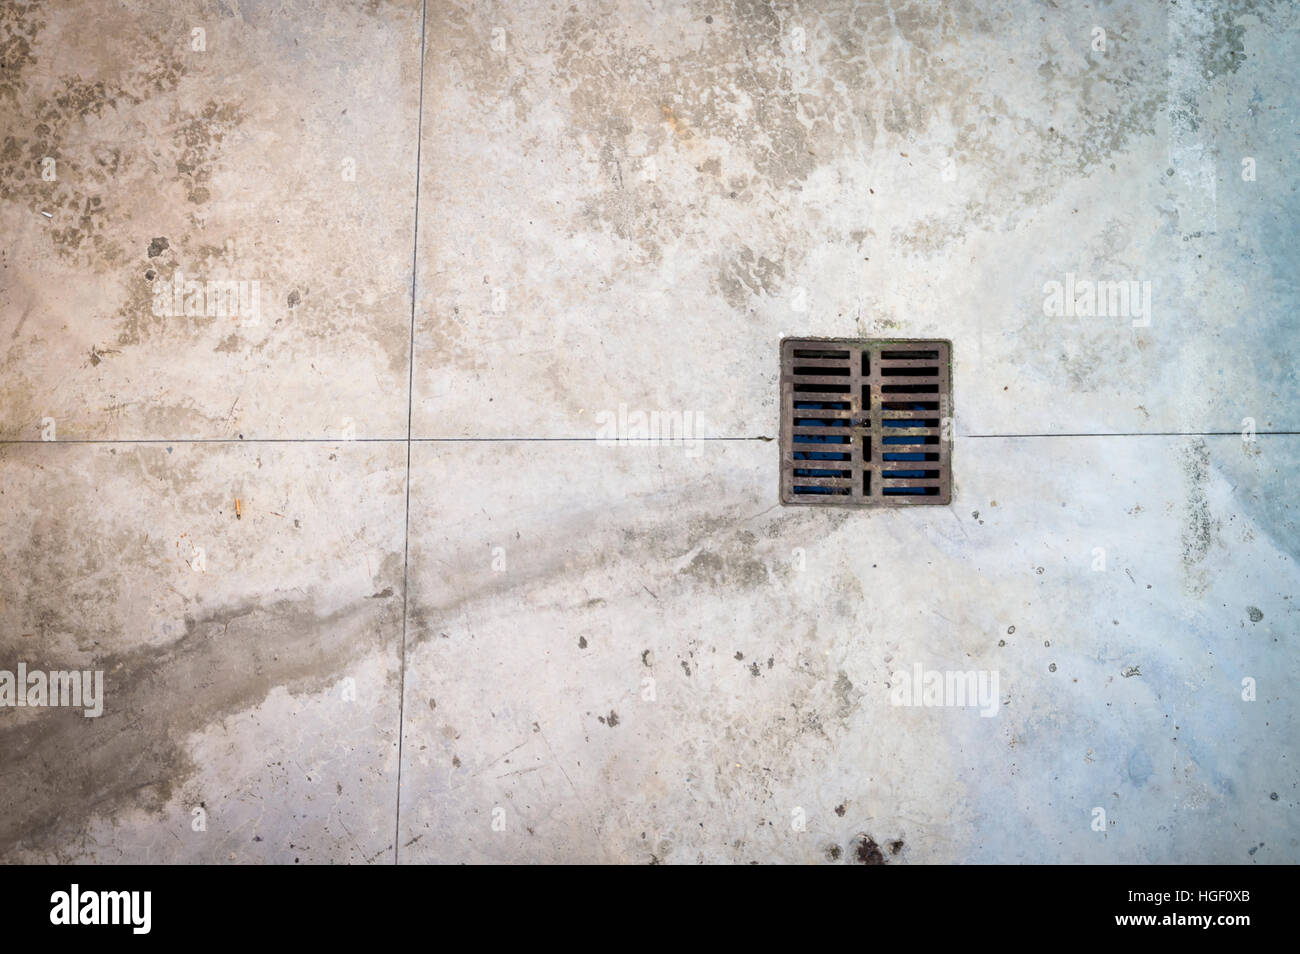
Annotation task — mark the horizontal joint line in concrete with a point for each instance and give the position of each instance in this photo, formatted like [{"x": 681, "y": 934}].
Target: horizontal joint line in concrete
[
  {"x": 580, "y": 440},
  {"x": 1146, "y": 434},
  {"x": 371, "y": 440}
]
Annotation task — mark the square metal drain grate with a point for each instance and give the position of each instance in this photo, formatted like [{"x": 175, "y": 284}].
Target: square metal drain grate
[{"x": 862, "y": 422}]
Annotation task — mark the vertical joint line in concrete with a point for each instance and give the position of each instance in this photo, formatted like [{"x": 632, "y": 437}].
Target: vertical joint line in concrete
[{"x": 410, "y": 405}]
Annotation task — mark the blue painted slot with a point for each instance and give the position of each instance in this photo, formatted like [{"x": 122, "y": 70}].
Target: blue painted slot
[
  {"x": 819, "y": 439},
  {"x": 904, "y": 456}
]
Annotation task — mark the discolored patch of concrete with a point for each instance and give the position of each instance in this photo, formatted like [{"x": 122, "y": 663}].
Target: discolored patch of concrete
[
  {"x": 867, "y": 852},
  {"x": 230, "y": 648},
  {"x": 1199, "y": 526},
  {"x": 922, "y": 170},
  {"x": 138, "y": 174},
  {"x": 548, "y": 543}
]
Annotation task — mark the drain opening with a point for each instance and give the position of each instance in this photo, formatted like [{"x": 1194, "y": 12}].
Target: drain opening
[
  {"x": 910, "y": 355},
  {"x": 818, "y": 445},
  {"x": 816, "y": 353},
  {"x": 860, "y": 422}
]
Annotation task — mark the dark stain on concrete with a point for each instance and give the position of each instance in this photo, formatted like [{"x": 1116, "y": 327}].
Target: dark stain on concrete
[
  {"x": 62, "y": 768},
  {"x": 198, "y": 137},
  {"x": 46, "y": 118},
  {"x": 735, "y": 567},
  {"x": 1199, "y": 524},
  {"x": 867, "y": 852}
]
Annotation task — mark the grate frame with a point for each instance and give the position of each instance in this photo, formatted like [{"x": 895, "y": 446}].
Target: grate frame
[{"x": 830, "y": 389}]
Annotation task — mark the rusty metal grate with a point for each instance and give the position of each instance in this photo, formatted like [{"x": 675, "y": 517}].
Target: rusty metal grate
[{"x": 863, "y": 422}]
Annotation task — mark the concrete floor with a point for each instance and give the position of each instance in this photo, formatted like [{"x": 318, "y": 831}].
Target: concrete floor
[{"x": 448, "y": 624}]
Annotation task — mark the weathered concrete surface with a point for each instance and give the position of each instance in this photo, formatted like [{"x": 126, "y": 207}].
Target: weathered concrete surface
[
  {"x": 625, "y": 205},
  {"x": 225, "y": 164},
  {"x": 660, "y": 182},
  {"x": 226, "y": 643},
  {"x": 678, "y": 689}
]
